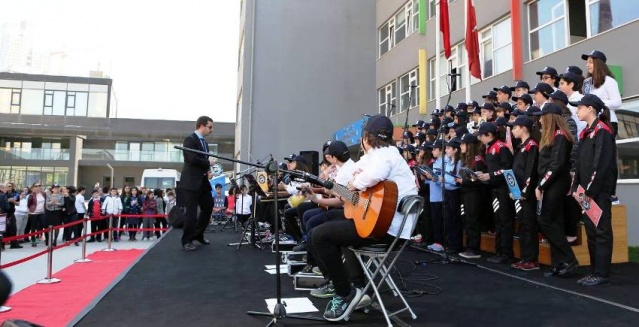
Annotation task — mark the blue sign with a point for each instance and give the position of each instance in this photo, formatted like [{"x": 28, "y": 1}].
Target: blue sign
[
  {"x": 351, "y": 133},
  {"x": 509, "y": 175}
]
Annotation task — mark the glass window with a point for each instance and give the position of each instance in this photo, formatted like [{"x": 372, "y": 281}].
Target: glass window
[
  {"x": 547, "y": 23},
  {"x": 32, "y": 102},
  {"x": 607, "y": 14},
  {"x": 431, "y": 8},
  {"x": 454, "y": 65},
  {"x": 81, "y": 103},
  {"x": 400, "y": 26},
  {"x": 97, "y": 105},
  {"x": 387, "y": 99},
  {"x": 496, "y": 49},
  {"x": 5, "y": 101},
  {"x": 384, "y": 39},
  {"x": 403, "y": 23},
  {"x": 405, "y": 90}
]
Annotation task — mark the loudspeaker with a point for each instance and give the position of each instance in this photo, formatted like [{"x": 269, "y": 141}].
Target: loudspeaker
[{"x": 312, "y": 157}]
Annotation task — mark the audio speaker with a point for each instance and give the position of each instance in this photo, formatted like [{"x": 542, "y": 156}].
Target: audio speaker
[{"x": 312, "y": 157}]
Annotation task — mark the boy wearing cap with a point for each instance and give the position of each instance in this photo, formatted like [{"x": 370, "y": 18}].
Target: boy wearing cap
[
  {"x": 525, "y": 170},
  {"x": 570, "y": 84},
  {"x": 520, "y": 88},
  {"x": 503, "y": 93},
  {"x": 498, "y": 158},
  {"x": 549, "y": 75},
  {"x": 381, "y": 162},
  {"x": 541, "y": 94}
]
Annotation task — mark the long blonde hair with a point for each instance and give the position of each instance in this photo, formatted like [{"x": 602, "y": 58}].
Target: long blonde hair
[{"x": 549, "y": 124}]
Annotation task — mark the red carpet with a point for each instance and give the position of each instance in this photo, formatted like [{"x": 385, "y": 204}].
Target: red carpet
[{"x": 57, "y": 304}]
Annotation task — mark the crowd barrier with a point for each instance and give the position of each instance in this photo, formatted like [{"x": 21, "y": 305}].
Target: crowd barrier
[{"x": 83, "y": 238}]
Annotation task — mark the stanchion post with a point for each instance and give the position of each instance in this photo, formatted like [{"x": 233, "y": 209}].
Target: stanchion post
[
  {"x": 48, "y": 279},
  {"x": 3, "y": 226},
  {"x": 84, "y": 243},
  {"x": 110, "y": 238}
]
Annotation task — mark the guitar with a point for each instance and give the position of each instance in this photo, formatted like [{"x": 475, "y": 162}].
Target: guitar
[{"x": 371, "y": 210}]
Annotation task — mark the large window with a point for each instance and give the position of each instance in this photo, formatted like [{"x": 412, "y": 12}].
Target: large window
[
  {"x": 628, "y": 140},
  {"x": 25, "y": 176},
  {"x": 496, "y": 49},
  {"x": 547, "y": 23},
  {"x": 606, "y": 14},
  {"x": 403, "y": 23},
  {"x": 10, "y": 100},
  {"x": 455, "y": 66},
  {"x": 387, "y": 99},
  {"x": 405, "y": 82}
]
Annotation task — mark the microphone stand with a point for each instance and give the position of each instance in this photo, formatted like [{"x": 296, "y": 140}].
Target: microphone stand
[
  {"x": 279, "y": 312},
  {"x": 410, "y": 100}
]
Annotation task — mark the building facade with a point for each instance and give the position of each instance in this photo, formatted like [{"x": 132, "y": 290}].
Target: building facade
[
  {"x": 305, "y": 69},
  {"x": 55, "y": 129}
]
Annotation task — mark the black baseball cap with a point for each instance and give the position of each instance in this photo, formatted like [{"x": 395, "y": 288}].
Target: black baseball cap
[
  {"x": 420, "y": 136},
  {"x": 594, "y": 54},
  {"x": 570, "y": 77},
  {"x": 435, "y": 121},
  {"x": 503, "y": 88},
  {"x": 461, "y": 130},
  {"x": 501, "y": 121},
  {"x": 473, "y": 103},
  {"x": 454, "y": 143},
  {"x": 55, "y": 185},
  {"x": 548, "y": 70},
  {"x": 488, "y": 106},
  {"x": 559, "y": 95},
  {"x": 490, "y": 95},
  {"x": 380, "y": 126},
  {"x": 435, "y": 112},
  {"x": 505, "y": 106},
  {"x": 532, "y": 111},
  {"x": 469, "y": 138},
  {"x": 589, "y": 100},
  {"x": 431, "y": 132},
  {"x": 575, "y": 70},
  {"x": 461, "y": 114},
  {"x": 300, "y": 159},
  {"x": 549, "y": 108},
  {"x": 436, "y": 144},
  {"x": 336, "y": 148},
  {"x": 409, "y": 148},
  {"x": 486, "y": 128},
  {"x": 419, "y": 124},
  {"x": 421, "y": 146},
  {"x": 526, "y": 98},
  {"x": 522, "y": 120},
  {"x": 518, "y": 113},
  {"x": 291, "y": 157},
  {"x": 520, "y": 84},
  {"x": 449, "y": 108},
  {"x": 544, "y": 88},
  {"x": 461, "y": 106},
  {"x": 408, "y": 134}
]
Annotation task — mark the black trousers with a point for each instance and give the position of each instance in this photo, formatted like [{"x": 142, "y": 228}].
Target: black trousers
[
  {"x": 551, "y": 221},
  {"x": 194, "y": 224},
  {"x": 438, "y": 222},
  {"x": 470, "y": 209},
  {"x": 425, "y": 222},
  {"x": 504, "y": 210},
  {"x": 572, "y": 215},
  {"x": 528, "y": 229},
  {"x": 291, "y": 224},
  {"x": 600, "y": 238},
  {"x": 452, "y": 221}
]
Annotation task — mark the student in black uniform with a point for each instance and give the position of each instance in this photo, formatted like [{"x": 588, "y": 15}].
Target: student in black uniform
[
  {"x": 525, "y": 169},
  {"x": 498, "y": 157},
  {"x": 554, "y": 171},
  {"x": 597, "y": 174}
]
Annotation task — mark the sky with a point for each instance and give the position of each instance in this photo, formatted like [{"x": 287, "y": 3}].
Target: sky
[{"x": 168, "y": 59}]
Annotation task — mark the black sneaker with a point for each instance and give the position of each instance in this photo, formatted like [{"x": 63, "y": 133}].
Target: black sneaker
[{"x": 340, "y": 307}]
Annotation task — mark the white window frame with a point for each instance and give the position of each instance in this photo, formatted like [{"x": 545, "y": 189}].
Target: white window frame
[
  {"x": 589, "y": 23},
  {"x": 410, "y": 11},
  {"x": 458, "y": 57},
  {"x": 431, "y": 78},
  {"x": 389, "y": 92},
  {"x": 551, "y": 22},
  {"x": 413, "y": 77},
  {"x": 482, "y": 41},
  {"x": 432, "y": 7},
  {"x": 390, "y": 26}
]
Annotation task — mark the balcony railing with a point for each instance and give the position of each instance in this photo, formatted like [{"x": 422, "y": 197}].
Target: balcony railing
[
  {"x": 127, "y": 155},
  {"x": 34, "y": 154}
]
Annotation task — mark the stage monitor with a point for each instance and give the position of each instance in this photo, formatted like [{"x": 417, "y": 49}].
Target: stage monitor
[{"x": 312, "y": 157}]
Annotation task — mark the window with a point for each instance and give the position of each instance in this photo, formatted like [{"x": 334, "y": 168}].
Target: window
[
  {"x": 54, "y": 102},
  {"x": 606, "y": 14},
  {"x": 387, "y": 98},
  {"x": 403, "y": 23},
  {"x": 431, "y": 8},
  {"x": 405, "y": 82},
  {"x": 386, "y": 36},
  {"x": 455, "y": 65},
  {"x": 547, "y": 23},
  {"x": 495, "y": 50}
]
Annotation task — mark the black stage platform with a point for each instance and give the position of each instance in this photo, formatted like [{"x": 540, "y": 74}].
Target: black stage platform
[{"x": 216, "y": 285}]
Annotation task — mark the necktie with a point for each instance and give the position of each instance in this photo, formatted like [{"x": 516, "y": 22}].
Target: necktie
[{"x": 204, "y": 145}]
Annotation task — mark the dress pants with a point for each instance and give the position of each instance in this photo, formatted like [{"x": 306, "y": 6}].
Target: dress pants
[
  {"x": 600, "y": 238},
  {"x": 528, "y": 229},
  {"x": 551, "y": 221},
  {"x": 504, "y": 210},
  {"x": 194, "y": 224}
]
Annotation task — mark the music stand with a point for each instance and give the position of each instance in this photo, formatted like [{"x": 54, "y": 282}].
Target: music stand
[{"x": 255, "y": 190}]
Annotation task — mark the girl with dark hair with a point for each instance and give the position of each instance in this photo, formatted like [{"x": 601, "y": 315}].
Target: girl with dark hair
[
  {"x": 601, "y": 82},
  {"x": 471, "y": 195},
  {"x": 597, "y": 175},
  {"x": 554, "y": 171}
]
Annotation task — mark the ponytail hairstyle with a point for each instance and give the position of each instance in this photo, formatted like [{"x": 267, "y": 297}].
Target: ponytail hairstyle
[{"x": 604, "y": 116}]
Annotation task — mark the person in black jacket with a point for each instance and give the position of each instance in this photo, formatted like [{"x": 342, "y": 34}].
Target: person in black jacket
[
  {"x": 554, "y": 184},
  {"x": 498, "y": 158},
  {"x": 525, "y": 169},
  {"x": 597, "y": 175},
  {"x": 195, "y": 185}
]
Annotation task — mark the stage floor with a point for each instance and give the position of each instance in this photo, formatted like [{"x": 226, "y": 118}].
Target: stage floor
[{"x": 216, "y": 285}]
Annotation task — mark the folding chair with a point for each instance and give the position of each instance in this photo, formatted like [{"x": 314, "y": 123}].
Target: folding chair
[
  {"x": 230, "y": 218},
  {"x": 378, "y": 260}
]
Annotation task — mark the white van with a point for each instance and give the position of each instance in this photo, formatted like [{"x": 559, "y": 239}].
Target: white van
[{"x": 160, "y": 178}]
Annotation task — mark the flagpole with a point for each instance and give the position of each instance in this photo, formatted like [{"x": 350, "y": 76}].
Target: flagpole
[
  {"x": 467, "y": 79},
  {"x": 438, "y": 50}
]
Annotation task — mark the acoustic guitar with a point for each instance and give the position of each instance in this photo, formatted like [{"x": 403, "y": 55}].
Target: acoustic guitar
[{"x": 371, "y": 210}]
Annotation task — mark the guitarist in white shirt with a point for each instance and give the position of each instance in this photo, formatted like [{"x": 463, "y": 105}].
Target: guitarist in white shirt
[{"x": 381, "y": 162}]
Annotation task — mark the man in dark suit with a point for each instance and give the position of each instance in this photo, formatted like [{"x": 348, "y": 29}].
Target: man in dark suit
[{"x": 195, "y": 185}]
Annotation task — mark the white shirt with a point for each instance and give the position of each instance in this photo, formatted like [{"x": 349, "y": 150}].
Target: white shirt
[
  {"x": 39, "y": 203},
  {"x": 243, "y": 204},
  {"x": 112, "y": 205},
  {"x": 79, "y": 203},
  {"x": 387, "y": 164},
  {"x": 574, "y": 97},
  {"x": 345, "y": 173},
  {"x": 609, "y": 94},
  {"x": 23, "y": 207}
]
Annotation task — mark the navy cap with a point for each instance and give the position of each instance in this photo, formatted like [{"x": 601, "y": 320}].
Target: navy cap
[
  {"x": 435, "y": 121},
  {"x": 461, "y": 106},
  {"x": 435, "y": 112},
  {"x": 300, "y": 159},
  {"x": 469, "y": 138},
  {"x": 487, "y": 127},
  {"x": 291, "y": 157},
  {"x": 544, "y": 88},
  {"x": 590, "y": 100},
  {"x": 436, "y": 144},
  {"x": 505, "y": 106},
  {"x": 473, "y": 103},
  {"x": 532, "y": 111},
  {"x": 420, "y": 136},
  {"x": 449, "y": 108},
  {"x": 490, "y": 95},
  {"x": 548, "y": 70},
  {"x": 517, "y": 113},
  {"x": 526, "y": 98},
  {"x": 594, "y": 54},
  {"x": 325, "y": 145},
  {"x": 477, "y": 111},
  {"x": 549, "y": 108},
  {"x": 570, "y": 77},
  {"x": 501, "y": 121},
  {"x": 447, "y": 122},
  {"x": 454, "y": 143},
  {"x": 422, "y": 146},
  {"x": 282, "y": 165},
  {"x": 431, "y": 132},
  {"x": 503, "y": 88},
  {"x": 419, "y": 124},
  {"x": 559, "y": 95},
  {"x": 461, "y": 114},
  {"x": 522, "y": 121},
  {"x": 409, "y": 148},
  {"x": 574, "y": 70},
  {"x": 55, "y": 185},
  {"x": 461, "y": 130},
  {"x": 488, "y": 106},
  {"x": 408, "y": 134},
  {"x": 336, "y": 148},
  {"x": 424, "y": 125},
  {"x": 380, "y": 126},
  {"x": 520, "y": 84}
]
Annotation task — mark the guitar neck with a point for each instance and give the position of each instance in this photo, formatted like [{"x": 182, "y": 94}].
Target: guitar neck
[{"x": 344, "y": 192}]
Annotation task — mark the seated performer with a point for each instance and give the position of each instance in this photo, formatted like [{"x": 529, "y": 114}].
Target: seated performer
[{"x": 381, "y": 162}]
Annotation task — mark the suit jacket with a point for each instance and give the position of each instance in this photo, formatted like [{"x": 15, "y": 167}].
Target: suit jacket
[{"x": 195, "y": 166}]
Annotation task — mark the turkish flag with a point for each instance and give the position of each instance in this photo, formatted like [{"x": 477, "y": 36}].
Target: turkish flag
[
  {"x": 472, "y": 41},
  {"x": 444, "y": 26}
]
